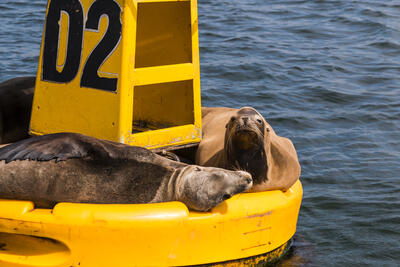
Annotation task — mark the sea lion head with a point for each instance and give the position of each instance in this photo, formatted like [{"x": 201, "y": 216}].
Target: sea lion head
[
  {"x": 246, "y": 143},
  {"x": 202, "y": 188}
]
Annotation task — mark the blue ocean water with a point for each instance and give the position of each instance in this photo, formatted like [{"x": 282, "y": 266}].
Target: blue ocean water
[{"x": 325, "y": 73}]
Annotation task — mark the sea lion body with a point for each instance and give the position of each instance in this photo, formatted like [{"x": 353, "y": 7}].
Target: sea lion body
[
  {"x": 69, "y": 167},
  {"x": 241, "y": 139},
  {"x": 16, "y": 96}
]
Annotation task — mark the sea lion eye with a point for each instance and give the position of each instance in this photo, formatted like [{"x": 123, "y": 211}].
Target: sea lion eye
[
  {"x": 232, "y": 119},
  {"x": 259, "y": 120},
  {"x": 197, "y": 169}
]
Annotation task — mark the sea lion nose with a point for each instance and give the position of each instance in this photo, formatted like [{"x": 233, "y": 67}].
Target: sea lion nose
[{"x": 245, "y": 119}]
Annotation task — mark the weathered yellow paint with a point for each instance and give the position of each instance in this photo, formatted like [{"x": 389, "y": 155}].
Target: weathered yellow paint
[
  {"x": 163, "y": 234},
  {"x": 158, "y": 51}
]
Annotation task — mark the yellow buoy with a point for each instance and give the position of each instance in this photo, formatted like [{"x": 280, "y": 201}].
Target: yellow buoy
[
  {"x": 122, "y": 70},
  {"x": 163, "y": 234}
]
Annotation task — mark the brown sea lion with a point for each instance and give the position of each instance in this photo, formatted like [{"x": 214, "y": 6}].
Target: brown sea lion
[
  {"x": 241, "y": 139},
  {"x": 16, "y": 96},
  {"x": 68, "y": 167}
]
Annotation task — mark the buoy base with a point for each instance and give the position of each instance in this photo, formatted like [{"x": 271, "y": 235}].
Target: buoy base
[{"x": 259, "y": 260}]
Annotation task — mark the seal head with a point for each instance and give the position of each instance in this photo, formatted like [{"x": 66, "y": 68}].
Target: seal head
[
  {"x": 247, "y": 142},
  {"x": 202, "y": 188}
]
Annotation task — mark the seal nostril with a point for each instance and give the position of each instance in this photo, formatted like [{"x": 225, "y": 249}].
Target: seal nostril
[
  {"x": 249, "y": 180},
  {"x": 226, "y": 196}
]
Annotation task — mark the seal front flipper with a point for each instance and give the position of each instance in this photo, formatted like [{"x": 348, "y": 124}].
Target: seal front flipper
[{"x": 59, "y": 146}]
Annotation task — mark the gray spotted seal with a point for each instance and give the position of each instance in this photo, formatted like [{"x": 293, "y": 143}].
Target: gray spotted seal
[
  {"x": 68, "y": 167},
  {"x": 241, "y": 139},
  {"x": 16, "y": 97}
]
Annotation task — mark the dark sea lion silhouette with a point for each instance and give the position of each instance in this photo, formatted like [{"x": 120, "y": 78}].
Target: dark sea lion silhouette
[{"x": 16, "y": 96}]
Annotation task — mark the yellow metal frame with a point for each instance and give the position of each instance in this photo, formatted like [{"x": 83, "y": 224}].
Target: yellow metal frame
[
  {"x": 164, "y": 234},
  {"x": 157, "y": 65}
]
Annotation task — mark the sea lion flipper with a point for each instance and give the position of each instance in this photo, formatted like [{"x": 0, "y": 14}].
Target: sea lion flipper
[{"x": 46, "y": 148}]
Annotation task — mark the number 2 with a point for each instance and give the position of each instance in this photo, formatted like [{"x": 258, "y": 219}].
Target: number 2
[
  {"x": 104, "y": 48},
  {"x": 97, "y": 57}
]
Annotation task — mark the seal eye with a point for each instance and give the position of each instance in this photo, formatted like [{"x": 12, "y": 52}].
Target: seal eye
[
  {"x": 197, "y": 169},
  {"x": 226, "y": 196},
  {"x": 232, "y": 119},
  {"x": 259, "y": 120}
]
